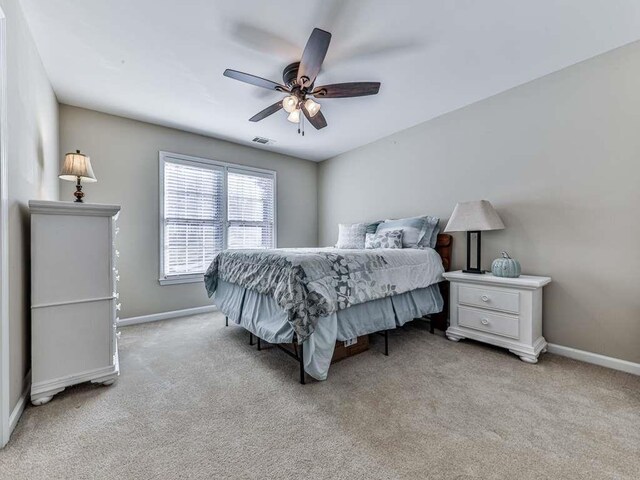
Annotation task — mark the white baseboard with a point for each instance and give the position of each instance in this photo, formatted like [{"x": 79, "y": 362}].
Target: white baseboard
[
  {"x": 123, "y": 322},
  {"x": 595, "y": 358},
  {"x": 16, "y": 413}
]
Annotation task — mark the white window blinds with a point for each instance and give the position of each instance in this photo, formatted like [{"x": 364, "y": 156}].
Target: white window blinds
[
  {"x": 193, "y": 217},
  {"x": 209, "y": 206},
  {"x": 250, "y": 208}
]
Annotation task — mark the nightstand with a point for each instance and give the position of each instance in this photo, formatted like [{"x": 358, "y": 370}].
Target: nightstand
[{"x": 506, "y": 312}]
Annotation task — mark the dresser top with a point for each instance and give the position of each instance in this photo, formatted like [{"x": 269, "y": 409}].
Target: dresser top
[
  {"x": 523, "y": 281},
  {"x": 73, "y": 208}
]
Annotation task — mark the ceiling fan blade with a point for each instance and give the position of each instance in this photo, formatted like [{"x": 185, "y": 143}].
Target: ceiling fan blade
[
  {"x": 344, "y": 90},
  {"x": 253, "y": 80},
  {"x": 318, "y": 120},
  {"x": 270, "y": 110},
  {"x": 313, "y": 56}
]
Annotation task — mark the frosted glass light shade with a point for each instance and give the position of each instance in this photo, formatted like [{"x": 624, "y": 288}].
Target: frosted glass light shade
[
  {"x": 478, "y": 215},
  {"x": 312, "y": 107},
  {"x": 290, "y": 103},
  {"x": 294, "y": 117},
  {"x": 77, "y": 165}
]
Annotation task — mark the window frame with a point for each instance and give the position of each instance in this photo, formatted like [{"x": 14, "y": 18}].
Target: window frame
[{"x": 201, "y": 162}]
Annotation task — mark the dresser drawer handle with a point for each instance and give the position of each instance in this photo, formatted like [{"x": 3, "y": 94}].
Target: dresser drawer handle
[
  {"x": 484, "y": 321},
  {"x": 484, "y": 298}
]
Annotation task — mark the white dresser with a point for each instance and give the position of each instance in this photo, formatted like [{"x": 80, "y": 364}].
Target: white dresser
[
  {"x": 506, "y": 312},
  {"x": 74, "y": 299}
]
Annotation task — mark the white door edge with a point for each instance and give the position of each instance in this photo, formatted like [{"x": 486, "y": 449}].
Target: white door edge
[{"x": 4, "y": 255}]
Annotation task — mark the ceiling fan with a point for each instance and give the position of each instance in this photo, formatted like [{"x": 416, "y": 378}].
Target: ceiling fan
[{"x": 299, "y": 78}]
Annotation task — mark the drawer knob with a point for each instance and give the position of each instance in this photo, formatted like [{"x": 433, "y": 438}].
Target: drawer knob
[
  {"x": 484, "y": 321},
  {"x": 484, "y": 298}
]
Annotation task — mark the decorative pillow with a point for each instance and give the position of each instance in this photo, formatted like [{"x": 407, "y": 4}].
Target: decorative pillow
[
  {"x": 351, "y": 235},
  {"x": 387, "y": 239},
  {"x": 431, "y": 235}
]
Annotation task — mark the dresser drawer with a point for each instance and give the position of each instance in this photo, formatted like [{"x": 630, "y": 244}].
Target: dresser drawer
[
  {"x": 490, "y": 322},
  {"x": 504, "y": 300}
]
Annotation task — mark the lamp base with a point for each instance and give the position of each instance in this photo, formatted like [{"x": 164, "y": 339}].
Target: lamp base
[
  {"x": 78, "y": 193},
  {"x": 477, "y": 268}
]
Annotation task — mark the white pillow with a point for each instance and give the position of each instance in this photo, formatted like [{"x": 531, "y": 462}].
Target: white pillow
[{"x": 351, "y": 235}]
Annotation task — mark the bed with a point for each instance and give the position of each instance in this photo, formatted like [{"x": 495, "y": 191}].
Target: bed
[{"x": 311, "y": 298}]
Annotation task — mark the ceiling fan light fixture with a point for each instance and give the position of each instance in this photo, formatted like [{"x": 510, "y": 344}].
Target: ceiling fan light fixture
[
  {"x": 312, "y": 107},
  {"x": 294, "y": 116},
  {"x": 290, "y": 103}
]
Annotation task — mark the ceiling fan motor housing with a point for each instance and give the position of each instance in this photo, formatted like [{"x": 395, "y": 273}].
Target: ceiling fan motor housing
[{"x": 290, "y": 76}]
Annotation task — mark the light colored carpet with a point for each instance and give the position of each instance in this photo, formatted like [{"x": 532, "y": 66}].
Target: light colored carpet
[{"x": 195, "y": 401}]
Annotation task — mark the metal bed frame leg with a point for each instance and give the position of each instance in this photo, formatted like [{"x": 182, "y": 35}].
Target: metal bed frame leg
[
  {"x": 259, "y": 345},
  {"x": 226, "y": 321},
  {"x": 301, "y": 360},
  {"x": 251, "y": 339},
  {"x": 386, "y": 342}
]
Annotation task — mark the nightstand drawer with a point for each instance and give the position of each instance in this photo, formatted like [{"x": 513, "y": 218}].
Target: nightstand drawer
[
  {"x": 489, "y": 322},
  {"x": 490, "y": 298}
]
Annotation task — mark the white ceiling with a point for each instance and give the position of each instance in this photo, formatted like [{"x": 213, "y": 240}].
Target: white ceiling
[{"x": 162, "y": 61}]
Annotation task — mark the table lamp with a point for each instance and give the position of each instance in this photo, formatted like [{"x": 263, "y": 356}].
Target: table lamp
[
  {"x": 77, "y": 167},
  {"x": 474, "y": 218}
]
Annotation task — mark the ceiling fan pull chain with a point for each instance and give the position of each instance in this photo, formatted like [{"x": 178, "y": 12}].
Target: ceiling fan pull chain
[{"x": 302, "y": 125}]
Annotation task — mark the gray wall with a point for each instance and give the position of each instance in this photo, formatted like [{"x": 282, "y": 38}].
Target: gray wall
[
  {"x": 560, "y": 160},
  {"x": 32, "y": 157},
  {"x": 124, "y": 156}
]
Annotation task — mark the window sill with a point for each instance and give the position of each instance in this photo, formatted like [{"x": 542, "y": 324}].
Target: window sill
[{"x": 181, "y": 279}]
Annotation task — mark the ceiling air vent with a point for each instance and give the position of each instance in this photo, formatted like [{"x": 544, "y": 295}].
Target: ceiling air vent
[{"x": 263, "y": 141}]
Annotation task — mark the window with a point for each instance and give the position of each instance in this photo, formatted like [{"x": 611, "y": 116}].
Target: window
[
  {"x": 250, "y": 209},
  {"x": 207, "y": 206}
]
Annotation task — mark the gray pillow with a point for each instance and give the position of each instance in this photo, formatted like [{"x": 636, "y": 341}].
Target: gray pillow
[
  {"x": 431, "y": 235},
  {"x": 373, "y": 226},
  {"x": 351, "y": 235},
  {"x": 387, "y": 239}
]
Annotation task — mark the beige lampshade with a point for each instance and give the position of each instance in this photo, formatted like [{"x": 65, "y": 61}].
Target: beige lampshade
[
  {"x": 77, "y": 165},
  {"x": 478, "y": 215}
]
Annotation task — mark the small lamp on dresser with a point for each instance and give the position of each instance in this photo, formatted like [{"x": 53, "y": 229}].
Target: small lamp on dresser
[
  {"x": 473, "y": 218},
  {"x": 77, "y": 167}
]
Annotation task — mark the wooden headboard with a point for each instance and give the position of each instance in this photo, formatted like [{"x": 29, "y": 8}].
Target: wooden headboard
[{"x": 444, "y": 246}]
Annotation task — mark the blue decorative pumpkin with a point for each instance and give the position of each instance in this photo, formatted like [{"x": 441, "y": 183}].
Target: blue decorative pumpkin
[{"x": 505, "y": 267}]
